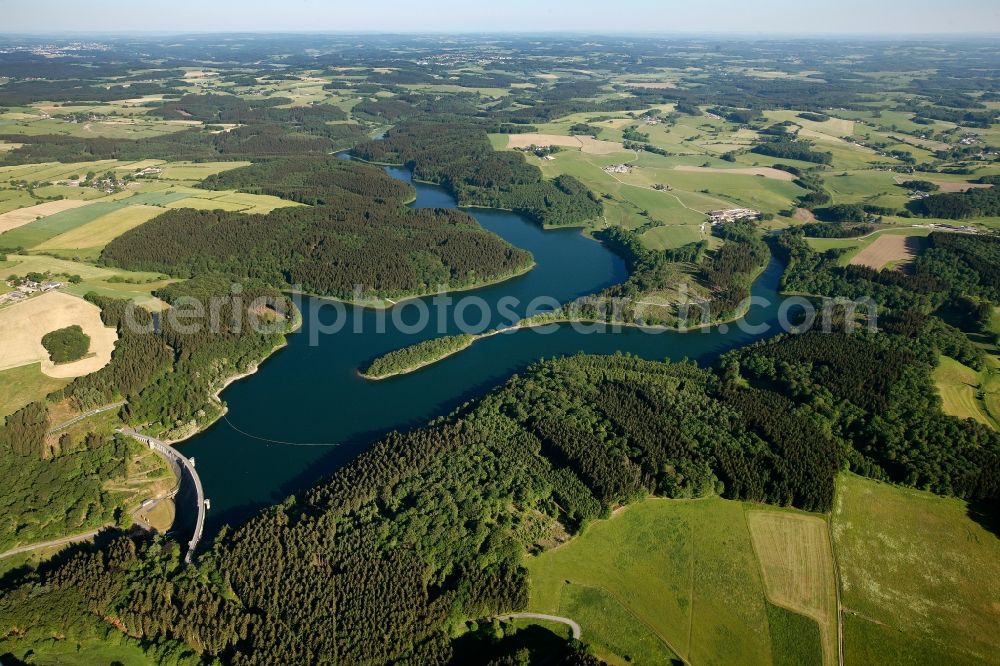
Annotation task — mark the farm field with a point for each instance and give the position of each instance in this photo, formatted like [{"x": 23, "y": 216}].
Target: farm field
[
  {"x": 196, "y": 171},
  {"x": 959, "y": 387},
  {"x": 40, "y": 231},
  {"x": 855, "y": 245},
  {"x": 677, "y": 215},
  {"x": 685, "y": 571},
  {"x": 798, "y": 569},
  {"x": 888, "y": 250},
  {"x": 22, "y": 216},
  {"x": 906, "y": 558},
  {"x": 586, "y": 144},
  {"x": 765, "y": 172},
  {"x": 22, "y": 326},
  {"x": 98, "y": 233}
]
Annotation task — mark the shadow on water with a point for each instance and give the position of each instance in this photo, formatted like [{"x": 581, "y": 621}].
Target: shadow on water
[{"x": 307, "y": 412}]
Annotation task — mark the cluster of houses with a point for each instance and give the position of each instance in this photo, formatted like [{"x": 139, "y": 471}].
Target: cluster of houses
[
  {"x": 958, "y": 228},
  {"x": 651, "y": 120},
  {"x": 148, "y": 171},
  {"x": 732, "y": 215},
  {"x": 26, "y": 288},
  {"x": 618, "y": 168},
  {"x": 970, "y": 139}
]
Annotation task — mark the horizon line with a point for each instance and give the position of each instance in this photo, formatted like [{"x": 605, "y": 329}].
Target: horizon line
[{"x": 799, "y": 35}]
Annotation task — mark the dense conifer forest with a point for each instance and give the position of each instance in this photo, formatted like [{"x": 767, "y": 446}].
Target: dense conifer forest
[
  {"x": 379, "y": 562},
  {"x": 168, "y": 375},
  {"x": 356, "y": 234},
  {"x": 458, "y": 156}
]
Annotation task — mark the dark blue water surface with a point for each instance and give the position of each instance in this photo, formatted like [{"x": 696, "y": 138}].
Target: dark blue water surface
[{"x": 311, "y": 397}]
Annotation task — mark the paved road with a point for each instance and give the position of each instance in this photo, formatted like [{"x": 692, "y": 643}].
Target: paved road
[
  {"x": 177, "y": 459},
  {"x": 85, "y": 415},
  {"x": 542, "y": 616},
  {"x": 75, "y": 538}
]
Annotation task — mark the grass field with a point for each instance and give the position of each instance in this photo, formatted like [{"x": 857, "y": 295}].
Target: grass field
[
  {"x": 683, "y": 571},
  {"x": 98, "y": 233},
  {"x": 24, "y": 384},
  {"x": 39, "y": 232},
  {"x": 795, "y": 639},
  {"x": 959, "y": 387},
  {"x": 920, "y": 579},
  {"x": 797, "y": 567},
  {"x": 196, "y": 171},
  {"x": 36, "y": 233},
  {"x": 22, "y": 216}
]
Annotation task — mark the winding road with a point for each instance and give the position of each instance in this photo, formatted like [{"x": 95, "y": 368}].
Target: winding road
[
  {"x": 85, "y": 415},
  {"x": 542, "y": 616},
  {"x": 179, "y": 462},
  {"x": 63, "y": 541}
]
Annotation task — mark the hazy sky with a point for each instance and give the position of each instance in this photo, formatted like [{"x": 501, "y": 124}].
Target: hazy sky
[{"x": 657, "y": 16}]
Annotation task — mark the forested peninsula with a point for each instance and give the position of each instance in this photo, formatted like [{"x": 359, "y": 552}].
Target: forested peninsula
[{"x": 354, "y": 240}]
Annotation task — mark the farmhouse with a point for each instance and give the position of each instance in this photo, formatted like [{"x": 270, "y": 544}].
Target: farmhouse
[
  {"x": 618, "y": 168},
  {"x": 733, "y": 214},
  {"x": 49, "y": 285}
]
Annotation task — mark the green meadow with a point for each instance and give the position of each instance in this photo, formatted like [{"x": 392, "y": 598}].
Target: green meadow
[
  {"x": 920, "y": 579},
  {"x": 662, "y": 576}
]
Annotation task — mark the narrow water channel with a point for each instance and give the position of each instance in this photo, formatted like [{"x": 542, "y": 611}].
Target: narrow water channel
[{"x": 310, "y": 396}]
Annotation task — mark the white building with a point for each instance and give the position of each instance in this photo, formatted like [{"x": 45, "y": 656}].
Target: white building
[{"x": 732, "y": 215}]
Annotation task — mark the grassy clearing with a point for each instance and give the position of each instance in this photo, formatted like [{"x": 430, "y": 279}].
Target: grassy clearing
[
  {"x": 797, "y": 567},
  {"x": 685, "y": 572},
  {"x": 161, "y": 517},
  {"x": 69, "y": 652},
  {"x": 24, "y": 384},
  {"x": 959, "y": 387},
  {"x": 206, "y": 204},
  {"x": 920, "y": 579},
  {"x": 618, "y": 636}
]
